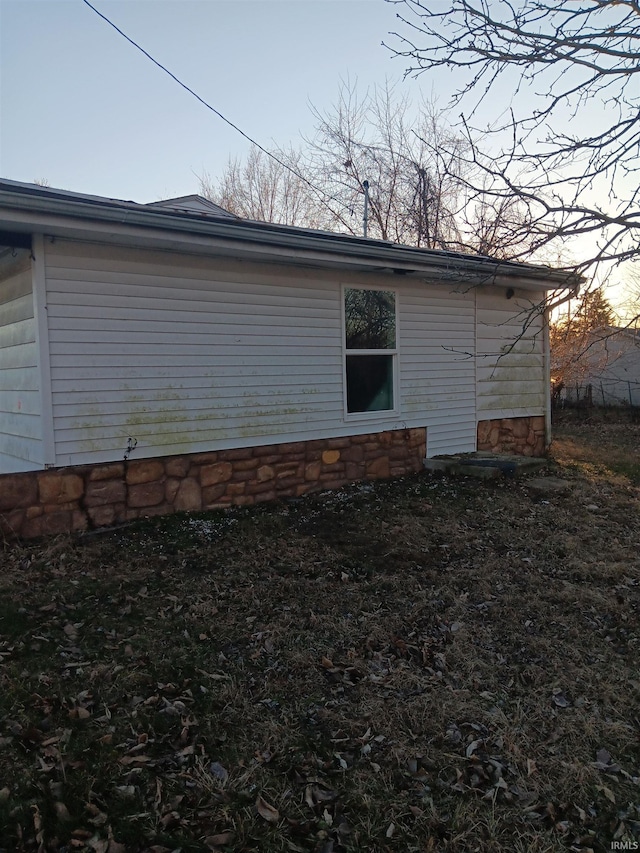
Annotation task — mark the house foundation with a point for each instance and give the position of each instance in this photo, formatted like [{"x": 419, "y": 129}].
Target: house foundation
[
  {"x": 524, "y": 436},
  {"x": 64, "y": 500}
]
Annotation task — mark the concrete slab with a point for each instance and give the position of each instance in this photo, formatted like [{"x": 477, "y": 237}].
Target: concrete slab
[
  {"x": 480, "y": 472},
  {"x": 545, "y": 486},
  {"x": 480, "y": 463},
  {"x": 435, "y": 464}
]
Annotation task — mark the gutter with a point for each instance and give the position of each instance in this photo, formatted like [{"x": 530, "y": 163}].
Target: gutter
[{"x": 277, "y": 240}]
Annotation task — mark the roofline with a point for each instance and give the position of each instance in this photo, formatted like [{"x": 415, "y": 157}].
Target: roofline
[
  {"x": 612, "y": 331},
  {"x": 27, "y": 207}
]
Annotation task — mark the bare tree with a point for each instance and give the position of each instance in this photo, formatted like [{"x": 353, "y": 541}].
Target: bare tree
[
  {"x": 421, "y": 187},
  {"x": 630, "y": 302},
  {"x": 414, "y": 194},
  {"x": 576, "y": 340},
  {"x": 267, "y": 189},
  {"x": 549, "y": 68}
]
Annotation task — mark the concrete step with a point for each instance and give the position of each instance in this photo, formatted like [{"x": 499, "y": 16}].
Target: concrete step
[{"x": 484, "y": 465}]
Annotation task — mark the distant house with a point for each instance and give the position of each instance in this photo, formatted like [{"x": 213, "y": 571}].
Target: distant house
[
  {"x": 607, "y": 371},
  {"x": 172, "y": 356}
]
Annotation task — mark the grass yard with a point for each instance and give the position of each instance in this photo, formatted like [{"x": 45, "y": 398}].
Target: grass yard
[{"x": 425, "y": 665}]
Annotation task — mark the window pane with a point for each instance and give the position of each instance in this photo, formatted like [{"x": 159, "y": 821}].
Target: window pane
[
  {"x": 369, "y": 383},
  {"x": 370, "y": 319}
]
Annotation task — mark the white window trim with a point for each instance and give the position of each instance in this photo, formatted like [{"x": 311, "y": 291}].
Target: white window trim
[{"x": 383, "y": 414}]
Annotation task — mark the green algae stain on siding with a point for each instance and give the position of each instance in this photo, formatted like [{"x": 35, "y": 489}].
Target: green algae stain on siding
[{"x": 165, "y": 418}]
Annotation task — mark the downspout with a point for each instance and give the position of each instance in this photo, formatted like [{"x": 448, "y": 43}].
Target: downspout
[
  {"x": 475, "y": 364},
  {"x": 547, "y": 378}
]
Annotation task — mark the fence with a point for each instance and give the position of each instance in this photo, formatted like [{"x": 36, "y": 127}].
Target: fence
[{"x": 611, "y": 393}]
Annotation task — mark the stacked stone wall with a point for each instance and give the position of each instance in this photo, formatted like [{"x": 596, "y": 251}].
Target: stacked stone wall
[
  {"x": 63, "y": 500},
  {"x": 524, "y": 436}
]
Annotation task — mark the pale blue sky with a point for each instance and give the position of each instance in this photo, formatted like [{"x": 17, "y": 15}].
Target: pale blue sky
[{"x": 84, "y": 110}]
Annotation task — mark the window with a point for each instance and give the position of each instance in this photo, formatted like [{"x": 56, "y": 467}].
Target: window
[{"x": 370, "y": 349}]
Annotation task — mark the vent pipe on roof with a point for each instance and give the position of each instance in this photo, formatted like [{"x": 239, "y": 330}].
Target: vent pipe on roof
[{"x": 365, "y": 218}]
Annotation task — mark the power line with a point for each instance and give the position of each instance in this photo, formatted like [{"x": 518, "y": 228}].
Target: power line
[{"x": 235, "y": 127}]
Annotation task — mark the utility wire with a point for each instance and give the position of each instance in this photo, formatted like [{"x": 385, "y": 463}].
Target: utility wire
[{"x": 320, "y": 193}]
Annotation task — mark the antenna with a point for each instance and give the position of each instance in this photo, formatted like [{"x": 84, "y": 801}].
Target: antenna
[{"x": 365, "y": 218}]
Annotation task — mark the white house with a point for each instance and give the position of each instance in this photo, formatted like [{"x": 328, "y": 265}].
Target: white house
[
  {"x": 146, "y": 336},
  {"x": 607, "y": 372}
]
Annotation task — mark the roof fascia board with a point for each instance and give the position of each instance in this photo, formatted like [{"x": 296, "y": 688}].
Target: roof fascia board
[{"x": 246, "y": 240}]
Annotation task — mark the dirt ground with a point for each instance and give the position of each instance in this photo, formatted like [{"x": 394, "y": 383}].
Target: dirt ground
[{"x": 425, "y": 665}]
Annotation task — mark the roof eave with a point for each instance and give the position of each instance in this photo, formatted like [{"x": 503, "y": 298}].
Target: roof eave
[{"x": 262, "y": 241}]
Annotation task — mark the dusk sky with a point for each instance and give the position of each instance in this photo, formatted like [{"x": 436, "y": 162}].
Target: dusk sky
[{"x": 84, "y": 110}]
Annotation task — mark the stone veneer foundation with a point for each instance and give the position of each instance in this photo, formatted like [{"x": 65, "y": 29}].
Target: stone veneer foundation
[
  {"x": 524, "y": 436},
  {"x": 62, "y": 500}
]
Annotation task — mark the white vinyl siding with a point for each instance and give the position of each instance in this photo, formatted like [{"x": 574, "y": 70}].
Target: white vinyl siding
[
  {"x": 437, "y": 365},
  {"x": 510, "y": 340},
  {"x": 20, "y": 422},
  {"x": 187, "y": 354}
]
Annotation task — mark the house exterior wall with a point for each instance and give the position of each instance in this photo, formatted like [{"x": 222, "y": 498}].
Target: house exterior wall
[
  {"x": 511, "y": 374},
  {"x": 20, "y": 419},
  {"x": 187, "y": 354},
  {"x": 437, "y": 333},
  {"x": 621, "y": 376},
  {"x": 610, "y": 370},
  {"x": 521, "y": 436},
  {"x": 185, "y": 382},
  {"x": 92, "y": 496}
]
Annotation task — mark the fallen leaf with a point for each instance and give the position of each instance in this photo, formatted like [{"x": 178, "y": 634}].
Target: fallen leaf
[
  {"x": 267, "y": 811},
  {"x": 79, "y": 713},
  {"x": 81, "y": 835},
  {"x": 218, "y": 840},
  {"x": 98, "y": 844},
  {"x": 343, "y": 764},
  {"x": 99, "y": 817},
  {"x": 62, "y": 812},
  {"x": 127, "y": 792},
  {"x": 134, "y": 759},
  {"x": 314, "y": 795},
  {"x": 605, "y": 762},
  {"x": 216, "y": 769},
  {"x": 473, "y": 746},
  {"x": 607, "y": 792}
]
